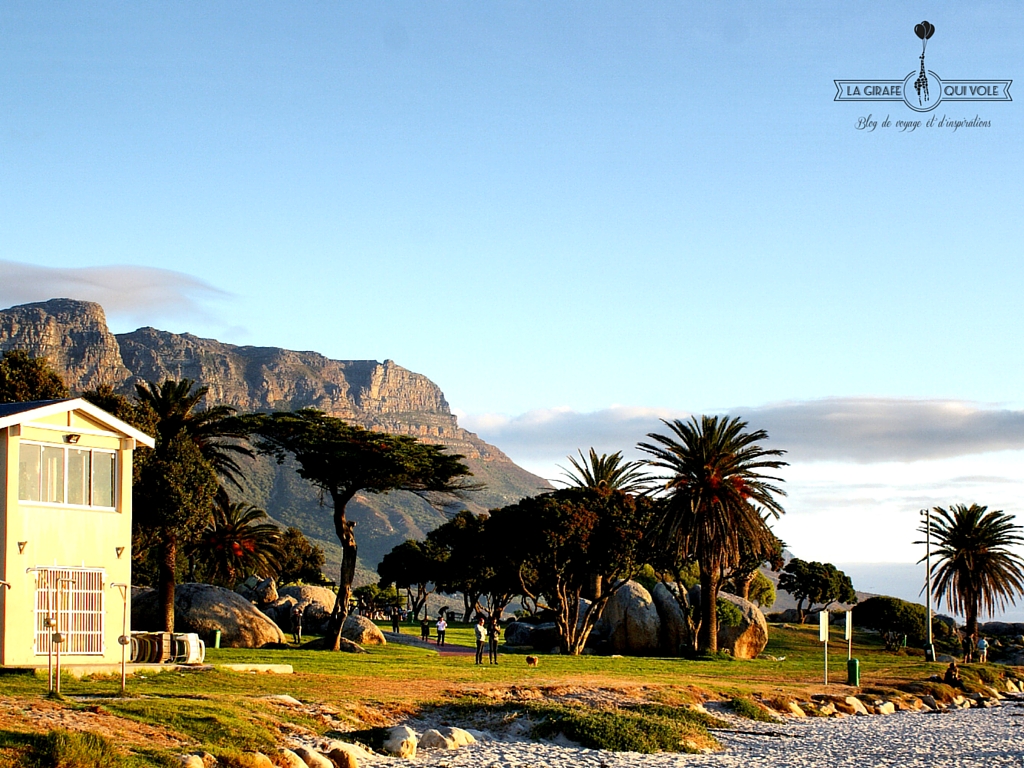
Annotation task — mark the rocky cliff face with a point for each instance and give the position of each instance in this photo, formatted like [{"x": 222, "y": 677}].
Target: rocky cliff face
[{"x": 74, "y": 336}]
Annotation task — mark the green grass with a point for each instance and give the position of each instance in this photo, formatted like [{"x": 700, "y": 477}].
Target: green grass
[
  {"x": 72, "y": 749},
  {"x": 751, "y": 710}
]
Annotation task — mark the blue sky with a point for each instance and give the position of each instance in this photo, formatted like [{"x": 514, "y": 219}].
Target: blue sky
[{"x": 548, "y": 208}]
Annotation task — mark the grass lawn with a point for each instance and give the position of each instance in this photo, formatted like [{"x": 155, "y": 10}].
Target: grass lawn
[{"x": 222, "y": 711}]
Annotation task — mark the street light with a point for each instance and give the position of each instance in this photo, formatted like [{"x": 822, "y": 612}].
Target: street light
[{"x": 929, "y": 649}]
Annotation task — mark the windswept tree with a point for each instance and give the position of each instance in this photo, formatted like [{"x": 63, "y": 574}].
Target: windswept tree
[
  {"x": 975, "y": 571},
  {"x": 714, "y": 485},
  {"x": 412, "y": 566},
  {"x": 301, "y": 560},
  {"x": 815, "y": 583},
  {"x": 343, "y": 460},
  {"x": 24, "y": 378},
  {"x": 460, "y": 558}
]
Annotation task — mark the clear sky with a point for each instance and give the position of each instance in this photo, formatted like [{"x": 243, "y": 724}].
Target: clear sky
[{"x": 574, "y": 217}]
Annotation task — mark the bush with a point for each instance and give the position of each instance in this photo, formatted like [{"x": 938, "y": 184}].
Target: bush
[
  {"x": 751, "y": 710},
  {"x": 894, "y": 618},
  {"x": 72, "y": 749},
  {"x": 728, "y": 614}
]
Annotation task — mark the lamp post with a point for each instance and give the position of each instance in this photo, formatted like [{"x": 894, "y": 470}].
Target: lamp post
[
  {"x": 929, "y": 650},
  {"x": 124, "y": 639}
]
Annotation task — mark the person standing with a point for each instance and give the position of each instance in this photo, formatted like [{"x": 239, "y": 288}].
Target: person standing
[
  {"x": 425, "y": 629},
  {"x": 982, "y": 650},
  {"x": 396, "y": 621},
  {"x": 442, "y": 625},
  {"x": 481, "y": 638},
  {"x": 493, "y": 628},
  {"x": 297, "y": 624}
]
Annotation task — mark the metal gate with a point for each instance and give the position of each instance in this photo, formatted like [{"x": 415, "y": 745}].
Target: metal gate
[{"x": 69, "y": 600}]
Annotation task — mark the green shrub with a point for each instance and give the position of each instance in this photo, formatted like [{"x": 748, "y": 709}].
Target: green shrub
[
  {"x": 751, "y": 710},
  {"x": 73, "y": 749},
  {"x": 728, "y": 614}
]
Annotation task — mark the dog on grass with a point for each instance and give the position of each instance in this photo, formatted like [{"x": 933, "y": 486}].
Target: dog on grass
[{"x": 532, "y": 661}]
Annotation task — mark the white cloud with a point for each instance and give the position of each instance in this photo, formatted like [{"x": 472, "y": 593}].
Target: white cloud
[
  {"x": 124, "y": 290},
  {"x": 861, "y": 430}
]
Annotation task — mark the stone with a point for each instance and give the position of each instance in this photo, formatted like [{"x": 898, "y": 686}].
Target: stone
[
  {"x": 944, "y": 658},
  {"x": 354, "y": 751},
  {"x": 827, "y": 709},
  {"x": 676, "y": 638},
  {"x": 266, "y": 592},
  {"x": 794, "y": 709},
  {"x": 748, "y": 639},
  {"x": 885, "y": 708},
  {"x": 1011, "y": 687},
  {"x": 461, "y": 737},
  {"x": 203, "y": 609},
  {"x": 283, "y": 698},
  {"x": 317, "y": 604},
  {"x": 930, "y": 702},
  {"x": 192, "y": 761},
  {"x": 256, "y": 760},
  {"x": 434, "y": 739},
  {"x": 631, "y": 622},
  {"x": 478, "y": 735},
  {"x": 518, "y": 633},
  {"x": 361, "y": 630},
  {"x": 313, "y": 759},
  {"x": 288, "y": 759},
  {"x": 401, "y": 742},
  {"x": 854, "y": 703},
  {"x": 280, "y": 612},
  {"x": 343, "y": 758}
]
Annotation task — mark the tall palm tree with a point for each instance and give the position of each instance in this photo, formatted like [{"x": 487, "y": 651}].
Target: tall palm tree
[
  {"x": 239, "y": 540},
  {"x": 193, "y": 448},
  {"x": 219, "y": 434},
  {"x": 714, "y": 485},
  {"x": 975, "y": 571},
  {"x": 607, "y": 471}
]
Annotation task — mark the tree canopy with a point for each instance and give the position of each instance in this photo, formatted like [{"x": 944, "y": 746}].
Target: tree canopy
[
  {"x": 816, "y": 583},
  {"x": 24, "y": 378}
]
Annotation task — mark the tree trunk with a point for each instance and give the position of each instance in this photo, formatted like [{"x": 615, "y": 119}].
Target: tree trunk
[
  {"x": 343, "y": 527},
  {"x": 744, "y": 585},
  {"x": 166, "y": 577},
  {"x": 707, "y": 639}
]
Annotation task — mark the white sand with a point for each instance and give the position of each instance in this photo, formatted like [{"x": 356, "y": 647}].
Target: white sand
[{"x": 962, "y": 739}]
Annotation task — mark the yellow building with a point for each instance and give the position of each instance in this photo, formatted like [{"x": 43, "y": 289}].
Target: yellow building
[{"x": 65, "y": 530}]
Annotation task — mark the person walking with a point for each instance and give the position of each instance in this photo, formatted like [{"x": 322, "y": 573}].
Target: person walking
[
  {"x": 493, "y": 628},
  {"x": 425, "y": 629},
  {"x": 481, "y": 638},
  {"x": 297, "y": 624},
  {"x": 442, "y": 625}
]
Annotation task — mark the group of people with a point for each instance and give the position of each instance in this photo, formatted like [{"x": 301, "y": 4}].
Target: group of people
[
  {"x": 486, "y": 631},
  {"x": 974, "y": 651}
]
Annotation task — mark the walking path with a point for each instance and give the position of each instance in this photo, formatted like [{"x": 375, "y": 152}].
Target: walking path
[{"x": 445, "y": 650}]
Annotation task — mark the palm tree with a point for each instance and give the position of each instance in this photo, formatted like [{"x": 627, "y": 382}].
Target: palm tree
[
  {"x": 975, "y": 571},
  {"x": 178, "y": 482},
  {"x": 239, "y": 540},
  {"x": 607, "y": 471},
  {"x": 216, "y": 431},
  {"x": 714, "y": 485}
]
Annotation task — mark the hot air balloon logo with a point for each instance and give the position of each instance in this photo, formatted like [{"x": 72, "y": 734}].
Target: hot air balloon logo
[{"x": 924, "y": 31}]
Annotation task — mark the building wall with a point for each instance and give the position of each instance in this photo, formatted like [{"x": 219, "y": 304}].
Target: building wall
[{"x": 61, "y": 536}]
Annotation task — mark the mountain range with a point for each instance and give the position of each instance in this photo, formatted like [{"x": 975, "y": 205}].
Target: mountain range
[{"x": 74, "y": 336}]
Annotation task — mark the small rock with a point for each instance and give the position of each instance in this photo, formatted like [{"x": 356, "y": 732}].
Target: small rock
[
  {"x": 434, "y": 739},
  {"x": 342, "y": 758},
  {"x": 288, "y": 759},
  {"x": 885, "y": 708},
  {"x": 257, "y": 760},
  {"x": 794, "y": 709},
  {"x": 192, "y": 761},
  {"x": 313, "y": 759},
  {"x": 930, "y": 702},
  {"x": 478, "y": 735},
  {"x": 1011, "y": 687},
  {"x": 857, "y": 705},
  {"x": 284, "y": 698},
  {"x": 401, "y": 742}
]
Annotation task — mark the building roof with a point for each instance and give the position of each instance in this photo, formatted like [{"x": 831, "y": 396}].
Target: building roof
[{"x": 19, "y": 413}]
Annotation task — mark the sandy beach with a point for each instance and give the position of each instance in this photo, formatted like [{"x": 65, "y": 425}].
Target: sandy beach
[{"x": 960, "y": 739}]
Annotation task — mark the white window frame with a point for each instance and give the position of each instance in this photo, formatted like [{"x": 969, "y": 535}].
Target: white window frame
[
  {"x": 65, "y": 503},
  {"x": 72, "y": 600}
]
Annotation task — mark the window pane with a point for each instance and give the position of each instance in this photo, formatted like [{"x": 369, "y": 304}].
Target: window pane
[
  {"x": 103, "y": 480},
  {"x": 78, "y": 476},
  {"x": 53, "y": 475},
  {"x": 28, "y": 473}
]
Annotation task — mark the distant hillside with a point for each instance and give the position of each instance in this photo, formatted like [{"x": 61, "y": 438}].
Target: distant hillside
[{"x": 74, "y": 336}]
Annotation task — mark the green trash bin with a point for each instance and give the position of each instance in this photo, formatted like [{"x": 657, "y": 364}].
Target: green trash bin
[{"x": 853, "y": 672}]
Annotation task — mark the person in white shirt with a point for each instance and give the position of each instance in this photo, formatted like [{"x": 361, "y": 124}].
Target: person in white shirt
[
  {"x": 481, "y": 638},
  {"x": 442, "y": 625}
]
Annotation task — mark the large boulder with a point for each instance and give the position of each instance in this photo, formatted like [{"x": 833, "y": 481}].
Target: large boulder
[
  {"x": 361, "y": 630},
  {"x": 317, "y": 604},
  {"x": 518, "y": 633},
  {"x": 203, "y": 609},
  {"x": 631, "y": 622},
  {"x": 749, "y": 637},
  {"x": 280, "y": 611},
  {"x": 676, "y": 638}
]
